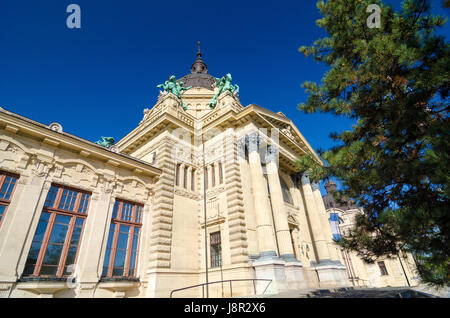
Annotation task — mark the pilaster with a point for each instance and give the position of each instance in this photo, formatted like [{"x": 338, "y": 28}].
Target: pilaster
[
  {"x": 161, "y": 237},
  {"x": 28, "y": 201},
  {"x": 235, "y": 206}
]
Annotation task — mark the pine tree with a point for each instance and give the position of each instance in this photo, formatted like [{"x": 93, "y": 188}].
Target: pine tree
[{"x": 393, "y": 81}]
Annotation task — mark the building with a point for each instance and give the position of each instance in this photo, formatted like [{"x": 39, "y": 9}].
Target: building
[
  {"x": 81, "y": 219},
  {"x": 394, "y": 271}
]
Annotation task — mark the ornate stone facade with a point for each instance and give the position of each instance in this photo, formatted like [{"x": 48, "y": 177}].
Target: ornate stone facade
[{"x": 238, "y": 162}]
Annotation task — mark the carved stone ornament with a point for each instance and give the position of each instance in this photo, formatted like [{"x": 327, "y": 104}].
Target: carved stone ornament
[
  {"x": 114, "y": 148},
  {"x": 56, "y": 127},
  {"x": 40, "y": 168}
]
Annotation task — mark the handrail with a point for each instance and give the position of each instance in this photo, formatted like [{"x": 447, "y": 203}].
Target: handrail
[{"x": 223, "y": 281}]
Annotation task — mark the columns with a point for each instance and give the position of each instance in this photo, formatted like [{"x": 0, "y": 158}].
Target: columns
[
  {"x": 264, "y": 228},
  {"x": 305, "y": 224},
  {"x": 279, "y": 211},
  {"x": 320, "y": 242},
  {"x": 325, "y": 222}
]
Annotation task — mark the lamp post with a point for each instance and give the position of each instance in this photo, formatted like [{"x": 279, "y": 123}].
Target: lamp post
[{"x": 204, "y": 215}]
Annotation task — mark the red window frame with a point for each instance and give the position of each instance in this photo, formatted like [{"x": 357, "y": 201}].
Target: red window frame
[
  {"x": 53, "y": 210},
  {"x": 3, "y": 201},
  {"x": 134, "y": 223}
]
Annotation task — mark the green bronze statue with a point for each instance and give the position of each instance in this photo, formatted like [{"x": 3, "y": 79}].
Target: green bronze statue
[
  {"x": 224, "y": 84},
  {"x": 106, "y": 142},
  {"x": 175, "y": 88}
]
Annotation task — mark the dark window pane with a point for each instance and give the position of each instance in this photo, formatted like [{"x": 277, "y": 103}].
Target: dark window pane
[
  {"x": 45, "y": 216},
  {"x": 40, "y": 231},
  {"x": 118, "y": 271},
  {"x": 139, "y": 214},
  {"x": 51, "y": 197},
  {"x": 132, "y": 264},
  {"x": 106, "y": 262},
  {"x": 75, "y": 235},
  {"x": 53, "y": 254},
  {"x": 127, "y": 211},
  {"x": 70, "y": 260},
  {"x": 79, "y": 222},
  {"x": 115, "y": 210},
  {"x": 62, "y": 219},
  {"x": 7, "y": 188},
  {"x": 68, "y": 200},
  {"x": 135, "y": 239},
  {"x": 34, "y": 253},
  {"x": 122, "y": 241},
  {"x": 48, "y": 270},
  {"x": 111, "y": 235},
  {"x": 2, "y": 211},
  {"x": 84, "y": 203},
  {"x": 119, "y": 261},
  {"x": 58, "y": 233},
  {"x": 29, "y": 269}
]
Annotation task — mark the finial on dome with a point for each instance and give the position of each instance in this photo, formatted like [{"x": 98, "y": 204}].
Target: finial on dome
[
  {"x": 199, "y": 53},
  {"x": 199, "y": 66}
]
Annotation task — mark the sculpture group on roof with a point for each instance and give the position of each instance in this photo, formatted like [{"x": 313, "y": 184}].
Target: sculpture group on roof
[
  {"x": 174, "y": 87},
  {"x": 224, "y": 84}
]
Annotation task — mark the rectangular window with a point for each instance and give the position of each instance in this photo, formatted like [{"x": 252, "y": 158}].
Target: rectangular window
[
  {"x": 177, "y": 175},
  {"x": 7, "y": 186},
  {"x": 205, "y": 177},
  {"x": 220, "y": 173},
  {"x": 185, "y": 177},
  {"x": 123, "y": 240},
  {"x": 193, "y": 179},
  {"x": 383, "y": 269},
  {"x": 57, "y": 238},
  {"x": 216, "y": 249},
  {"x": 213, "y": 175}
]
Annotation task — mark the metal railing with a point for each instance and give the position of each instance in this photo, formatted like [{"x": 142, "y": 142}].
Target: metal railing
[{"x": 224, "y": 281}]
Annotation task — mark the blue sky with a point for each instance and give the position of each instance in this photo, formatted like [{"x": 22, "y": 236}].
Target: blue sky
[{"x": 97, "y": 80}]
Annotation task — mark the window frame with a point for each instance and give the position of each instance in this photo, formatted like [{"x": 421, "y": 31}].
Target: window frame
[
  {"x": 7, "y": 202},
  {"x": 383, "y": 268},
  {"x": 212, "y": 245},
  {"x": 54, "y": 212},
  {"x": 133, "y": 225}
]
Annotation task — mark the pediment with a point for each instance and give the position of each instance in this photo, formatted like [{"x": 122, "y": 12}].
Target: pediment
[{"x": 288, "y": 131}]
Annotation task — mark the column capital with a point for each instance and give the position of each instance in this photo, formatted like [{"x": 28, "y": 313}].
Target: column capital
[
  {"x": 272, "y": 153},
  {"x": 314, "y": 186},
  {"x": 254, "y": 140},
  {"x": 305, "y": 178}
]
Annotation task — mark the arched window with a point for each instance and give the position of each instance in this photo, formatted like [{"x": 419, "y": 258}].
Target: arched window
[{"x": 286, "y": 192}]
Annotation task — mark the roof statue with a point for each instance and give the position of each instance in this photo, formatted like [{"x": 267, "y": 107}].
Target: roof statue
[
  {"x": 106, "y": 142},
  {"x": 224, "y": 84},
  {"x": 174, "y": 87}
]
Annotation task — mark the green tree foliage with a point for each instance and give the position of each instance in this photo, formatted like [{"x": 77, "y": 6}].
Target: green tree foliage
[{"x": 394, "y": 82}]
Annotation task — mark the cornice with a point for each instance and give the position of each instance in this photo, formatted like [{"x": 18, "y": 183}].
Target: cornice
[{"x": 31, "y": 129}]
